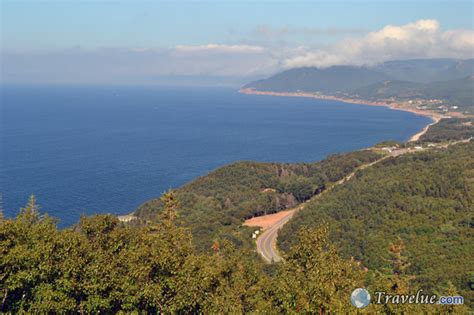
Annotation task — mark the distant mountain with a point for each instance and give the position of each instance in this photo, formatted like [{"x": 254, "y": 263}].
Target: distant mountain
[
  {"x": 447, "y": 79},
  {"x": 327, "y": 80},
  {"x": 347, "y": 78},
  {"x": 388, "y": 89},
  {"x": 427, "y": 70},
  {"x": 459, "y": 91}
]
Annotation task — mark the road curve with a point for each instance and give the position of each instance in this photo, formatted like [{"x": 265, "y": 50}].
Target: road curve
[{"x": 266, "y": 242}]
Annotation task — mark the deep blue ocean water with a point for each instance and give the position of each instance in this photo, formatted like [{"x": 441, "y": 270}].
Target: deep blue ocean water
[{"x": 86, "y": 150}]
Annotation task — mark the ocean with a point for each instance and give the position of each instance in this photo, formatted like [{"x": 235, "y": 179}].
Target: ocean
[{"x": 84, "y": 150}]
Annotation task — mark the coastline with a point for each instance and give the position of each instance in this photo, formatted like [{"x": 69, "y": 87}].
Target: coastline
[
  {"x": 435, "y": 117},
  {"x": 418, "y": 135}
]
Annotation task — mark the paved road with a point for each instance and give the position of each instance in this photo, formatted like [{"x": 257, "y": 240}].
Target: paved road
[{"x": 266, "y": 242}]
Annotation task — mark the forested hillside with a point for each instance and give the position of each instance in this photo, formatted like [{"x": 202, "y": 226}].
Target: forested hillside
[
  {"x": 458, "y": 92},
  {"x": 425, "y": 200},
  {"x": 348, "y": 78},
  {"x": 215, "y": 205},
  {"x": 450, "y": 129},
  {"x": 403, "y": 224},
  {"x": 327, "y": 80},
  {"x": 104, "y": 266},
  {"x": 427, "y": 70},
  {"x": 448, "y": 80}
]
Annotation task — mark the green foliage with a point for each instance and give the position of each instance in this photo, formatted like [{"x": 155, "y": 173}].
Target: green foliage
[
  {"x": 104, "y": 266},
  {"x": 327, "y": 80},
  {"x": 1, "y": 207},
  {"x": 314, "y": 278},
  {"x": 388, "y": 143},
  {"x": 215, "y": 205},
  {"x": 446, "y": 79},
  {"x": 450, "y": 129},
  {"x": 419, "y": 206},
  {"x": 454, "y": 92},
  {"x": 426, "y": 199},
  {"x": 298, "y": 186}
]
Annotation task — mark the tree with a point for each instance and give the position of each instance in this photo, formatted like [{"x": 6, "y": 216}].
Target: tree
[
  {"x": 1, "y": 207},
  {"x": 397, "y": 281},
  {"x": 170, "y": 210},
  {"x": 314, "y": 278},
  {"x": 30, "y": 213},
  {"x": 299, "y": 186},
  {"x": 28, "y": 256},
  {"x": 450, "y": 290}
]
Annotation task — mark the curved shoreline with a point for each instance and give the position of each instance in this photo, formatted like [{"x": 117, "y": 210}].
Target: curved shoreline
[
  {"x": 418, "y": 135},
  {"x": 435, "y": 117}
]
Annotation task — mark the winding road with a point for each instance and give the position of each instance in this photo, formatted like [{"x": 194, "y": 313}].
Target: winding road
[{"x": 266, "y": 242}]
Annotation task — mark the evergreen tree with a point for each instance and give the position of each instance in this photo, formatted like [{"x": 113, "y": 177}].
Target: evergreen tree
[
  {"x": 314, "y": 278},
  {"x": 30, "y": 213},
  {"x": 1, "y": 207}
]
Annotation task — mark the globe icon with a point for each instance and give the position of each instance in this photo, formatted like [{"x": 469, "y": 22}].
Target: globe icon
[{"x": 360, "y": 298}]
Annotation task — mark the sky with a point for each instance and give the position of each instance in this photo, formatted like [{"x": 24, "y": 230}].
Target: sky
[{"x": 227, "y": 42}]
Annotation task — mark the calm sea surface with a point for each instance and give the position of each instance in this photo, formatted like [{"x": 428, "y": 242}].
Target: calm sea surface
[{"x": 86, "y": 150}]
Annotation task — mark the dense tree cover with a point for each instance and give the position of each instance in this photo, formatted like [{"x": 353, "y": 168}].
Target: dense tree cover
[
  {"x": 425, "y": 199},
  {"x": 401, "y": 225},
  {"x": 314, "y": 278},
  {"x": 454, "y": 92},
  {"x": 450, "y": 129},
  {"x": 215, "y": 205},
  {"x": 102, "y": 265},
  {"x": 388, "y": 143}
]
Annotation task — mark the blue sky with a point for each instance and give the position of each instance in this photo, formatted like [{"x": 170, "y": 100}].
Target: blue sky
[
  {"x": 272, "y": 33},
  {"x": 31, "y": 25}
]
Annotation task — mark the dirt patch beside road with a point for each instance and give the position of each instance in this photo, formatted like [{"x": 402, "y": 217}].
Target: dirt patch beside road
[{"x": 266, "y": 221}]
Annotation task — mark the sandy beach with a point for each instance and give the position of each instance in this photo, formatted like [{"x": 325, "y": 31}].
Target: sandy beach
[
  {"x": 435, "y": 117},
  {"x": 418, "y": 135}
]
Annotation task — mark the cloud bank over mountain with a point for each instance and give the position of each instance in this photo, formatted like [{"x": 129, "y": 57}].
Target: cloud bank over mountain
[
  {"x": 245, "y": 59},
  {"x": 421, "y": 39}
]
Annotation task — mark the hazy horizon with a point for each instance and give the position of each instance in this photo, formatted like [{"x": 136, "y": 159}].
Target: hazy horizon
[{"x": 218, "y": 43}]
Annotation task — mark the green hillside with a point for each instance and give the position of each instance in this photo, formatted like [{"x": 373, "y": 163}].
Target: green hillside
[
  {"x": 427, "y": 70},
  {"x": 215, "y": 205},
  {"x": 457, "y": 92},
  {"x": 327, "y": 80},
  {"x": 409, "y": 220},
  {"x": 104, "y": 266},
  {"x": 389, "y": 89},
  {"x": 450, "y": 129},
  {"x": 425, "y": 199},
  {"x": 444, "y": 79},
  {"x": 347, "y": 78}
]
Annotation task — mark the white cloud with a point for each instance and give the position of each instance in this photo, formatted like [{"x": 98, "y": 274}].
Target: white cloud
[{"x": 421, "y": 39}]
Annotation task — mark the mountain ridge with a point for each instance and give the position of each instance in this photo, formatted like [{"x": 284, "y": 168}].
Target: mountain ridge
[{"x": 447, "y": 80}]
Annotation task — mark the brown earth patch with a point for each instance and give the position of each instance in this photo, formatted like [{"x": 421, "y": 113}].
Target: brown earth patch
[{"x": 266, "y": 221}]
